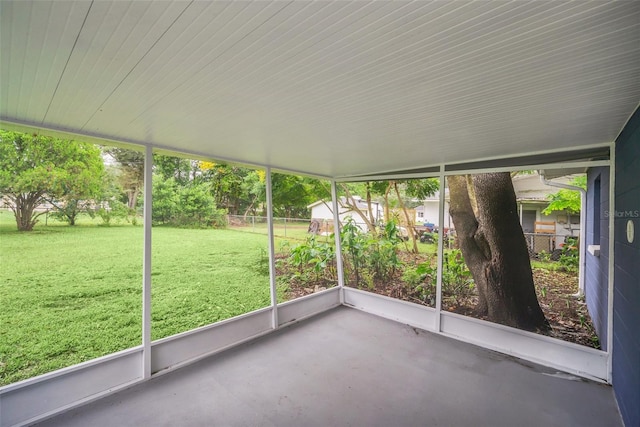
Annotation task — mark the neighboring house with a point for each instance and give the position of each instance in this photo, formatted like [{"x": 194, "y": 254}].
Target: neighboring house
[
  {"x": 322, "y": 212},
  {"x": 532, "y": 196},
  {"x": 430, "y": 211},
  {"x": 419, "y": 219}
]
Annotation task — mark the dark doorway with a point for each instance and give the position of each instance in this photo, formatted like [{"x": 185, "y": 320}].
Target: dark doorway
[{"x": 528, "y": 221}]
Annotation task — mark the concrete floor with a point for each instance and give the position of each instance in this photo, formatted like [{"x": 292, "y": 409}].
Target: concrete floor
[{"x": 349, "y": 368}]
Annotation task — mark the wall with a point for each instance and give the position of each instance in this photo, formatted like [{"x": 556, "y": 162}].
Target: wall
[
  {"x": 626, "y": 301},
  {"x": 597, "y": 233},
  {"x": 432, "y": 213},
  {"x": 562, "y": 227},
  {"x": 324, "y": 211}
]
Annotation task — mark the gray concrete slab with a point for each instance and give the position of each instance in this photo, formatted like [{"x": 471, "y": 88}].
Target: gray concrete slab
[{"x": 349, "y": 368}]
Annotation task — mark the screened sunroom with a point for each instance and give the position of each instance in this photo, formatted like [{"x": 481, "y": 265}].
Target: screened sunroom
[{"x": 156, "y": 324}]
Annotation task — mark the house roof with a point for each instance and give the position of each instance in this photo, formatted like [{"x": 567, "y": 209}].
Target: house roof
[
  {"x": 529, "y": 188},
  {"x": 332, "y": 88}
]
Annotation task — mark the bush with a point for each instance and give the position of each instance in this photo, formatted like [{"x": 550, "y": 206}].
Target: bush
[
  {"x": 457, "y": 283},
  {"x": 115, "y": 210},
  {"x": 382, "y": 252},
  {"x": 570, "y": 255},
  {"x": 166, "y": 200},
  {"x": 314, "y": 257},
  {"x": 191, "y": 205},
  {"x": 354, "y": 244}
]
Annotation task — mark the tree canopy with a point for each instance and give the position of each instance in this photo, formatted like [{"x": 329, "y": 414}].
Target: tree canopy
[
  {"x": 36, "y": 168},
  {"x": 567, "y": 200}
]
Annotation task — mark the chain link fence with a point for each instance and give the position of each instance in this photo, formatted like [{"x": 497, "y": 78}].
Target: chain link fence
[
  {"x": 295, "y": 228},
  {"x": 545, "y": 243}
]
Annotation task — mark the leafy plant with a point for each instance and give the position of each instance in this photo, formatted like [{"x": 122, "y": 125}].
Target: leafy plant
[
  {"x": 544, "y": 256},
  {"x": 457, "y": 283},
  {"x": 191, "y": 205},
  {"x": 315, "y": 257},
  {"x": 382, "y": 251},
  {"x": 456, "y": 277},
  {"x": 262, "y": 264},
  {"x": 569, "y": 255},
  {"x": 354, "y": 243},
  {"x": 422, "y": 280},
  {"x": 115, "y": 210}
]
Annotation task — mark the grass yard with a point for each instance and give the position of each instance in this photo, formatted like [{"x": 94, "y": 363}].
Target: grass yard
[{"x": 70, "y": 294}]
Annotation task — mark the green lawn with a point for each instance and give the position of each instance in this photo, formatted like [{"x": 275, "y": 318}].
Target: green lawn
[{"x": 70, "y": 294}]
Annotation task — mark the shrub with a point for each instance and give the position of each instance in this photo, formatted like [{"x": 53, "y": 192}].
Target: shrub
[
  {"x": 166, "y": 200},
  {"x": 382, "y": 251},
  {"x": 457, "y": 283},
  {"x": 354, "y": 244},
  {"x": 115, "y": 210},
  {"x": 191, "y": 205},
  {"x": 570, "y": 255}
]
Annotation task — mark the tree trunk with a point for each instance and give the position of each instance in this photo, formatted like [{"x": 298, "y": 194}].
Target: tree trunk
[
  {"x": 386, "y": 202},
  {"x": 23, "y": 209},
  {"x": 372, "y": 218},
  {"x": 132, "y": 198},
  {"x": 483, "y": 210},
  {"x": 352, "y": 204},
  {"x": 410, "y": 230}
]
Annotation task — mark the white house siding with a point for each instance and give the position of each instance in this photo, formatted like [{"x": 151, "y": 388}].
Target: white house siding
[
  {"x": 431, "y": 213},
  {"x": 323, "y": 211}
]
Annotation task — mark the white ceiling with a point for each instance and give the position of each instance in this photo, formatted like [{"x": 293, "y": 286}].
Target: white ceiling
[{"x": 326, "y": 88}]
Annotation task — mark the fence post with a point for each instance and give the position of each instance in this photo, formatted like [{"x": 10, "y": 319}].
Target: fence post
[
  {"x": 285, "y": 227},
  {"x": 253, "y": 223}
]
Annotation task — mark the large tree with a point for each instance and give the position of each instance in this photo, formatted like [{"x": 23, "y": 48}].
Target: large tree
[
  {"x": 130, "y": 173},
  {"x": 484, "y": 212},
  {"x": 35, "y": 168}
]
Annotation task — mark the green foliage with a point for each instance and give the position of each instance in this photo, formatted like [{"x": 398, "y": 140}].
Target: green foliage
[
  {"x": 70, "y": 210},
  {"x": 166, "y": 199},
  {"x": 35, "y": 168},
  {"x": 382, "y": 251},
  {"x": 196, "y": 207},
  {"x": 129, "y": 174},
  {"x": 422, "y": 280},
  {"x": 421, "y": 188},
  {"x": 315, "y": 257},
  {"x": 457, "y": 282},
  {"x": 370, "y": 256},
  {"x": 567, "y": 200},
  {"x": 354, "y": 243},
  {"x": 544, "y": 256},
  {"x": 170, "y": 167},
  {"x": 116, "y": 211},
  {"x": 229, "y": 189},
  {"x": 290, "y": 196},
  {"x": 570, "y": 255},
  {"x": 191, "y": 205}
]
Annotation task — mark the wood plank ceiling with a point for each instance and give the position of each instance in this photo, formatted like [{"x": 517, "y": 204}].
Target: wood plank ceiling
[{"x": 330, "y": 88}]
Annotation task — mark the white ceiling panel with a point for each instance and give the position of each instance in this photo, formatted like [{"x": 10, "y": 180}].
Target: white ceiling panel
[{"x": 330, "y": 88}]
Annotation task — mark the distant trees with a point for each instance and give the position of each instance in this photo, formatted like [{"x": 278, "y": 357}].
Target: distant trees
[
  {"x": 130, "y": 173},
  {"x": 77, "y": 177},
  {"x": 36, "y": 168},
  {"x": 394, "y": 194}
]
